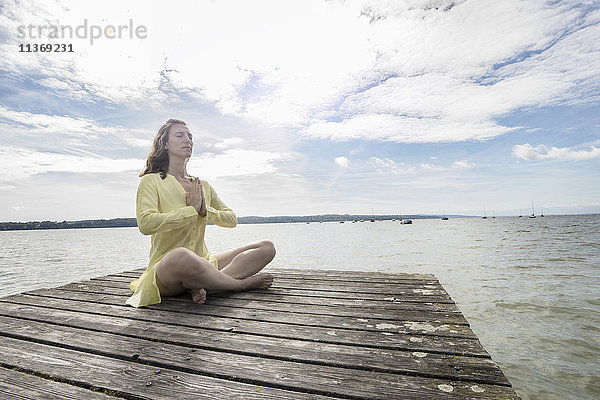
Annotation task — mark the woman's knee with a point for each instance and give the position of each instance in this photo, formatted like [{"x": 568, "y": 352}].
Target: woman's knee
[
  {"x": 179, "y": 256},
  {"x": 268, "y": 249},
  {"x": 184, "y": 262}
]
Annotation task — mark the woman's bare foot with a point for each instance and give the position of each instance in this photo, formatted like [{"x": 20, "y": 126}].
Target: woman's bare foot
[
  {"x": 198, "y": 295},
  {"x": 258, "y": 281}
]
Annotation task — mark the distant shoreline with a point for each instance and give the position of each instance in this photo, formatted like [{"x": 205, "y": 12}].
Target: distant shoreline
[{"x": 131, "y": 222}]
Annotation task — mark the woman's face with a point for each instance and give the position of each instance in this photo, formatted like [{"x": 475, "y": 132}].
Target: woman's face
[{"x": 180, "y": 142}]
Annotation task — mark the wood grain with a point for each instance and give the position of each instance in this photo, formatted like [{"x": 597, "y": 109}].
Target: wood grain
[{"x": 315, "y": 334}]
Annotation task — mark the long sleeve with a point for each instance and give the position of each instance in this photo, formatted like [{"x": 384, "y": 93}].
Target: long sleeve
[
  {"x": 218, "y": 213},
  {"x": 149, "y": 219}
]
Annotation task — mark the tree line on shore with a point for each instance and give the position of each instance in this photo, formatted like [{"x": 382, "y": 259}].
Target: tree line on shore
[{"x": 131, "y": 222}]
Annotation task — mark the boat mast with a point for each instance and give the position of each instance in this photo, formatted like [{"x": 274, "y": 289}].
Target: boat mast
[{"x": 532, "y": 211}]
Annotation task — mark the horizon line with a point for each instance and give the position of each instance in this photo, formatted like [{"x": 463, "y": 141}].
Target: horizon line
[{"x": 322, "y": 215}]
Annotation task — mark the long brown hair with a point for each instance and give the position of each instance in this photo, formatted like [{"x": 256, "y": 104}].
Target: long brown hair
[{"x": 158, "y": 159}]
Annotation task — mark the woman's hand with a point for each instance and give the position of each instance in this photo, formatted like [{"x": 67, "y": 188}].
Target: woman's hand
[{"x": 195, "y": 198}]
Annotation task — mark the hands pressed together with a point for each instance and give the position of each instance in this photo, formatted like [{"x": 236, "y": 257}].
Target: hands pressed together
[{"x": 195, "y": 198}]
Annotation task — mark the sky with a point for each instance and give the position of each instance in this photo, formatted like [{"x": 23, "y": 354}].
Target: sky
[{"x": 304, "y": 107}]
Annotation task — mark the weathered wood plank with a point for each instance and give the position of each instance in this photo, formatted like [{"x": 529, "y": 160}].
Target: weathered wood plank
[
  {"x": 338, "y": 273},
  {"x": 265, "y": 368},
  {"x": 404, "y": 284},
  {"x": 314, "y": 340},
  {"x": 130, "y": 378},
  {"x": 146, "y": 318},
  {"x": 270, "y": 310},
  {"x": 344, "y": 274},
  {"x": 394, "y": 361},
  {"x": 376, "y": 288},
  {"x": 23, "y": 386},
  {"x": 409, "y": 280},
  {"x": 329, "y": 333},
  {"x": 330, "y": 380},
  {"x": 387, "y": 303},
  {"x": 440, "y": 324},
  {"x": 325, "y": 294},
  {"x": 240, "y": 299}
]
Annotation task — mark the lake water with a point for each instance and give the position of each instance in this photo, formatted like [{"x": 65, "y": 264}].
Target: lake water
[{"x": 530, "y": 288}]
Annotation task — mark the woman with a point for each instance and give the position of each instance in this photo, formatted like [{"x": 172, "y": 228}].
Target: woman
[{"x": 174, "y": 208}]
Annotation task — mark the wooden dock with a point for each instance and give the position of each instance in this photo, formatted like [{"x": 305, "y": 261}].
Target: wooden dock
[{"x": 313, "y": 335}]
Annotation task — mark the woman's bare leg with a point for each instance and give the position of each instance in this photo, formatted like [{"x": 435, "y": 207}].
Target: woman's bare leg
[
  {"x": 247, "y": 260},
  {"x": 182, "y": 269}
]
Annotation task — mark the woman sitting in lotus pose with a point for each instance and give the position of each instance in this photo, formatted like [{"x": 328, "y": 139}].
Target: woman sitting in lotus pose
[{"x": 174, "y": 208}]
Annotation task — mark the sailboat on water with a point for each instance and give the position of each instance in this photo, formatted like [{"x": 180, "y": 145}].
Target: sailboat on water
[
  {"x": 532, "y": 211},
  {"x": 484, "y": 214},
  {"x": 444, "y": 218}
]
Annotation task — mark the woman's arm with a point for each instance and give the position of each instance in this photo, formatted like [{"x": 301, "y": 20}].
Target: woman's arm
[
  {"x": 218, "y": 213},
  {"x": 149, "y": 219}
]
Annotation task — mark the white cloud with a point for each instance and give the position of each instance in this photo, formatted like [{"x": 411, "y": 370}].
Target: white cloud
[
  {"x": 37, "y": 124},
  {"x": 18, "y": 163},
  {"x": 68, "y": 135},
  {"x": 386, "y": 165},
  {"x": 138, "y": 142},
  {"x": 413, "y": 71},
  {"x": 438, "y": 82},
  {"x": 229, "y": 142},
  {"x": 54, "y": 83},
  {"x": 387, "y": 127},
  {"x": 542, "y": 152},
  {"x": 342, "y": 162},
  {"x": 384, "y": 162},
  {"x": 463, "y": 165},
  {"x": 235, "y": 162}
]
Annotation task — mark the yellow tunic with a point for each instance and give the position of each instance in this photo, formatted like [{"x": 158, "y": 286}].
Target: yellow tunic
[{"x": 162, "y": 212}]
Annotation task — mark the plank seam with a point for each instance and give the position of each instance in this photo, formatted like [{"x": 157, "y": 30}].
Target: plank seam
[
  {"x": 265, "y": 308},
  {"x": 237, "y": 318},
  {"x": 249, "y": 381},
  {"x": 382, "y": 281},
  {"x": 364, "y": 290},
  {"x": 330, "y": 273},
  {"x": 362, "y": 345},
  {"x": 84, "y": 385},
  {"x": 319, "y": 295},
  {"x": 250, "y": 354},
  {"x": 222, "y": 296}
]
